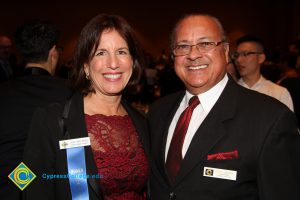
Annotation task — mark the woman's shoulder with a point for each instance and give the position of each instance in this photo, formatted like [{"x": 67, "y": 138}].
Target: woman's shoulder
[{"x": 133, "y": 112}]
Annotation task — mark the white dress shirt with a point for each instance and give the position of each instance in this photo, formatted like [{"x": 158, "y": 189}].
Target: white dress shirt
[
  {"x": 207, "y": 101},
  {"x": 271, "y": 89}
]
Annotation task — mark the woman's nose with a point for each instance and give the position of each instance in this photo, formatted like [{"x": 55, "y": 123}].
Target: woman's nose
[{"x": 113, "y": 62}]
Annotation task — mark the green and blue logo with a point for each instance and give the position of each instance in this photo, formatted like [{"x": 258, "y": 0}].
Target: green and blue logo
[{"x": 21, "y": 176}]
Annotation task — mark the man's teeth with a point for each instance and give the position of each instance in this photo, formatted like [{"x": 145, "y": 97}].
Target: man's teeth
[
  {"x": 112, "y": 76},
  {"x": 198, "y": 67}
]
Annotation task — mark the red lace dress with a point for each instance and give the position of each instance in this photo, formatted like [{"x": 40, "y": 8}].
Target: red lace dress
[{"x": 119, "y": 156}]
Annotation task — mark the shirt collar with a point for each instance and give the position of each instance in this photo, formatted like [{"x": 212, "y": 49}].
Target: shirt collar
[
  {"x": 260, "y": 81},
  {"x": 36, "y": 71},
  {"x": 210, "y": 97}
]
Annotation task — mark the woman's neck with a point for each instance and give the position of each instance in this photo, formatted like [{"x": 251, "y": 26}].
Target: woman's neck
[{"x": 106, "y": 105}]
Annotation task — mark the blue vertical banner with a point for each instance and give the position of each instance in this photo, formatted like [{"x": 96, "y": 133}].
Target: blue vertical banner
[{"x": 77, "y": 173}]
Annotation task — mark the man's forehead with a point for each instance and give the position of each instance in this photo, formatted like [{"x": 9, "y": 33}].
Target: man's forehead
[
  {"x": 203, "y": 24},
  {"x": 248, "y": 45}
]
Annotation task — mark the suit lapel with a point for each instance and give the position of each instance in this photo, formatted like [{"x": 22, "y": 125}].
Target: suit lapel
[
  {"x": 211, "y": 131},
  {"x": 75, "y": 124}
]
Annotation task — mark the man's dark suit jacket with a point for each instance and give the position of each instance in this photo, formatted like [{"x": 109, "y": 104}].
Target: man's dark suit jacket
[
  {"x": 247, "y": 132},
  {"x": 43, "y": 155},
  {"x": 18, "y": 100},
  {"x": 293, "y": 86}
]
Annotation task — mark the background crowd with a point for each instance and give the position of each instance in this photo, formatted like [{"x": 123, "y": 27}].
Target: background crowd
[{"x": 281, "y": 66}]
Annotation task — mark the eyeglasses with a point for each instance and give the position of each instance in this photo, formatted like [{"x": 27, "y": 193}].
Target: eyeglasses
[
  {"x": 236, "y": 55},
  {"x": 202, "y": 47}
]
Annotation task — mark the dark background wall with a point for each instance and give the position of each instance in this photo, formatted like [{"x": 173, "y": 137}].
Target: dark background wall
[{"x": 276, "y": 21}]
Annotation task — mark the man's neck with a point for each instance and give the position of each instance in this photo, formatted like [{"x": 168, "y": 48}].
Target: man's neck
[
  {"x": 252, "y": 79},
  {"x": 39, "y": 65}
]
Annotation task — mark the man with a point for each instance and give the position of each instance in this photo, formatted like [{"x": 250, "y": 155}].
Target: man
[
  {"x": 239, "y": 144},
  {"x": 248, "y": 58},
  {"x": 21, "y": 96},
  {"x": 6, "y": 71}
]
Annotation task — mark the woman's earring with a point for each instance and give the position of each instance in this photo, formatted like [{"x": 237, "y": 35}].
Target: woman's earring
[{"x": 87, "y": 76}]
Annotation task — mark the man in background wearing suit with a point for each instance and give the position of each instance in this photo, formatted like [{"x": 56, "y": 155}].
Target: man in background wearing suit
[
  {"x": 19, "y": 97},
  {"x": 228, "y": 142},
  {"x": 6, "y": 71}
]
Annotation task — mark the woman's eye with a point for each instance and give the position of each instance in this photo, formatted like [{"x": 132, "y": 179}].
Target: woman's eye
[
  {"x": 122, "y": 52},
  {"x": 100, "y": 53}
]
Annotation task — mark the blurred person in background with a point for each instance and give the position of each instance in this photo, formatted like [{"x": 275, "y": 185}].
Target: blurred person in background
[
  {"x": 19, "y": 97},
  {"x": 249, "y": 57},
  {"x": 6, "y": 71}
]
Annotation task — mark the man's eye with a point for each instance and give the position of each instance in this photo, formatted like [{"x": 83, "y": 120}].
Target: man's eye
[
  {"x": 205, "y": 44},
  {"x": 183, "y": 46},
  {"x": 247, "y": 53}
]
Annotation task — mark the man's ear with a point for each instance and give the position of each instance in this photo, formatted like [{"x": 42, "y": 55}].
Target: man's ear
[
  {"x": 53, "y": 49},
  {"x": 53, "y": 53},
  {"x": 227, "y": 56},
  {"x": 261, "y": 58}
]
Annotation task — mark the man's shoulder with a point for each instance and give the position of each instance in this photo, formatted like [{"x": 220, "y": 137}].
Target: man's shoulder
[
  {"x": 258, "y": 102},
  {"x": 34, "y": 81},
  {"x": 275, "y": 86},
  {"x": 54, "y": 109},
  {"x": 41, "y": 79},
  {"x": 33, "y": 92}
]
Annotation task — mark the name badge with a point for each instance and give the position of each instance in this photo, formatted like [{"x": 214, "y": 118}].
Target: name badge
[
  {"x": 220, "y": 173},
  {"x": 72, "y": 143}
]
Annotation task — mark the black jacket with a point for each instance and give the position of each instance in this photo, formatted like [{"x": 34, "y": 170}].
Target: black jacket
[
  {"x": 19, "y": 98},
  {"x": 259, "y": 131},
  {"x": 43, "y": 155}
]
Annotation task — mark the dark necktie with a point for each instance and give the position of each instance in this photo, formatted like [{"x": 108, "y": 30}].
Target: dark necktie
[{"x": 174, "y": 157}]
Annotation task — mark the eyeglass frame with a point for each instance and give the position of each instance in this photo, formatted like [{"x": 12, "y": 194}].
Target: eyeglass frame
[
  {"x": 245, "y": 54},
  {"x": 216, "y": 44}
]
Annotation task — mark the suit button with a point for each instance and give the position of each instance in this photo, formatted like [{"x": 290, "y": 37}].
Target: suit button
[{"x": 172, "y": 196}]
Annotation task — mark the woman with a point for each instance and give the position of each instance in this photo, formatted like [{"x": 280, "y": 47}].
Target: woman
[{"x": 115, "y": 164}]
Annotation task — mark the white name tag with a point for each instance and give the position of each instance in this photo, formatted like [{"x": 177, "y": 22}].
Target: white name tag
[
  {"x": 72, "y": 143},
  {"x": 219, "y": 173}
]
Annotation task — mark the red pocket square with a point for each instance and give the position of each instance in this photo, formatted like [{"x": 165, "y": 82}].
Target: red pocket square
[{"x": 223, "y": 155}]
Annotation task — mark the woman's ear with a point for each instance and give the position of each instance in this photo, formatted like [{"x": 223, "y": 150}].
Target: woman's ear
[{"x": 86, "y": 69}]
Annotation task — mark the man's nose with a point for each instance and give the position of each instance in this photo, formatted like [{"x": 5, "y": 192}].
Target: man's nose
[{"x": 194, "y": 53}]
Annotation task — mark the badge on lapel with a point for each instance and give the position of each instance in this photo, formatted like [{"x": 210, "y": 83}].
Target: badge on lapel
[
  {"x": 73, "y": 143},
  {"x": 220, "y": 173}
]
